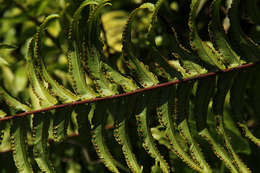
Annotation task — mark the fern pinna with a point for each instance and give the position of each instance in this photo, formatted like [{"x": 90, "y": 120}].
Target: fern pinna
[{"x": 186, "y": 100}]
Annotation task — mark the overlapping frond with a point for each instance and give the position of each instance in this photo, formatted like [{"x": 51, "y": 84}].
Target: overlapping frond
[{"x": 170, "y": 109}]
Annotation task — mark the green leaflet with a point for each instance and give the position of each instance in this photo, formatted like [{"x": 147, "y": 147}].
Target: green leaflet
[
  {"x": 103, "y": 86},
  {"x": 155, "y": 12},
  {"x": 223, "y": 86},
  {"x": 2, "y": 126},
  {"x": 237, "y": 161},
  {"x": 43, "y": 96},
  {"x": 249, "y": 134},
  {"x": 245, "y": 46},
  {"x": 166, "y": 69},
  {"x": 3, "y": 61},
  {"x": 41, "y": 123},
  {"x": 97, "y": 118},
  {"x": 2, "y": 113},
  {"x": 238, "y": 104},
  {"x": 95, "y": 65},
  {"x": 102, "y": 150},
  {"x": 38, "y": 35},
  {"x": 182, "y": 107},
  {"x": 169, "y": 71},
  {"x": 218, "y": 150},
  {"x": 165, "y": 112},
  {"x": 188, "y": 60},
  {"x": 40, "y": 133},
  {"x": 204, "y": 93},
  {"x": 126, "y": 83},
  {"x": 143, "y": 119},
  {"x": 7, "y": 46},
  {"x": 93, "y": 22},
  {"x": 74, "y": 55},
  {"x": 205, "y": 50},
  {"x": 156, "y": 168},
  {"x": 64, "y": 94},
  {"x": 18, "y": 134},
  {"x": 83, "y": 111},
  {"x": 255, "y": 84},
  {"x": 127, "y": 44},
  {"x": 82, "y": 118},
  {"x": 77, "y": 74},
  {"x": 12, "y": 101},
  {"x": 2, "y": 132},
  {"x": 219, "y": 38},
  {"x": 144, "y": 76},
  {"x": 60, "y": 124},
  {"x": 182, "y": 101},
  {"x": 121, "y": 110},
  {"x": 203, "y": 96},
  {"x": 93, "y": 53},
  {"x": 194, "y": 148}
]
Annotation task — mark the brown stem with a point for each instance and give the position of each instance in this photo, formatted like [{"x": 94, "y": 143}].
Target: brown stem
[{"x": 129, "y": 93}]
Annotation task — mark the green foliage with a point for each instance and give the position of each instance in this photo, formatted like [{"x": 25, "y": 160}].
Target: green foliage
[{"x": 129, "y": 86}]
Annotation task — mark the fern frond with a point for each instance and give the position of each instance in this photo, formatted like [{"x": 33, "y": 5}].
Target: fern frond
[
  {"x": 121, "y": 117},
  {"x": 145, "y": 77},
  {"x": 205, "y": 51},
  {"x": 219, "y": 38},
  {"x": 180, "y": 73},
  {"x": 165, "y": 112},
  {"x": 143, "y": 119},
  {"x": 97, "y": 120},
  {"x": 244, "y": 45},
  {"x": 223, "y": 86}
]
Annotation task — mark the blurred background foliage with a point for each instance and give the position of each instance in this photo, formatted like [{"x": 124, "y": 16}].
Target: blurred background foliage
[{"x": 19, "y": 20}]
